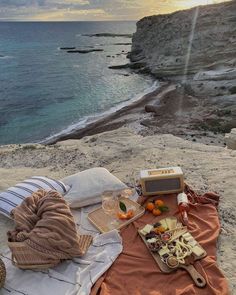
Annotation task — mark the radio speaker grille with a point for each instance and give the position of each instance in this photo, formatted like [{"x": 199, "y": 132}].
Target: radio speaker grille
[{"x": 162, "y": 184}]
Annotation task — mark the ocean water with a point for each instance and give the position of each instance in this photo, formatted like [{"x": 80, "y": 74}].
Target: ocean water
[{"x": 45, "y": 91}]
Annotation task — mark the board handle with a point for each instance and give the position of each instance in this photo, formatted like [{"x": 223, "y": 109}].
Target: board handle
[{"x": 195, "y": 275}]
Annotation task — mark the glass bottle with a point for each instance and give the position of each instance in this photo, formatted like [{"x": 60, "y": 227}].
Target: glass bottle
[{"x": 183, "y": 207}]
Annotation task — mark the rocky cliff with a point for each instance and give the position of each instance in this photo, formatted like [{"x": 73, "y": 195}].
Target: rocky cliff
[
  {"x": 189, "y": 41},
  {"x": 196, "y": 47}
]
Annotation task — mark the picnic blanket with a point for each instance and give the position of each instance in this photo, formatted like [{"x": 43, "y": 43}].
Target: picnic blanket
[
  {"x": 45, "y": 223},
  {"x": 70, "y": 277},
  {"x": 135, "y": 271}
]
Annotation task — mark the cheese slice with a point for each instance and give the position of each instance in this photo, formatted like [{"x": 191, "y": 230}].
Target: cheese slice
[
  {"x": 164, "y": 224},
  {"x": 198, "y": 251},
  {"x": 192, "y": 243},
  {"x": 171, "y": 222},
  {"x": 147, "y": 229}
]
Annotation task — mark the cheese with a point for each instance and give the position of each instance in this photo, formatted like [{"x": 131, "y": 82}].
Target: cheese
[
  {"x": 164, "y": 251},
  {"x": 153, "y": 240},
  {"x": 171, "y": 222},
  {"x": 198, "y": 251},
  {"x": 147, "y": 229},
  {"x": 186, "y": 236},
  {"x": 163, "y": 223},
  {"x": 192, "y": 243}
]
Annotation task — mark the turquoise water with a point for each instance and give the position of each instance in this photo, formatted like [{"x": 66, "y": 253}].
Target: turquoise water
[{"x": 45, "y": 90}]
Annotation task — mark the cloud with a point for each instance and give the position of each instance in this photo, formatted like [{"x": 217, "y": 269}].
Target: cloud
[{"x": 90, "y": 9}]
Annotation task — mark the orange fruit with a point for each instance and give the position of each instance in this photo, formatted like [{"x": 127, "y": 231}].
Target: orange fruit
[
  {"x": 159, "y": 203},
  {"x": 150, "y": 206},
  {"x": 130, "y": 214},
  {"x": 121, "y": 215},
  {"x": 156, "y": 212}
]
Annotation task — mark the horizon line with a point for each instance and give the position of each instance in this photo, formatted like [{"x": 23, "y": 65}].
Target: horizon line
[{"x": 67, "y": 21}]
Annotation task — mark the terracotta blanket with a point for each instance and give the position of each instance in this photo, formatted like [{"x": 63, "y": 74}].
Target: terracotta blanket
[
  {"x": 44, "y": 221},
  {"x": 136, "y": 273}
]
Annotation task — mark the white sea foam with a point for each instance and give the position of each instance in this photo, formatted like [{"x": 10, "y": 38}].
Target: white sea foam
[
  {"x": 93, "y": 118},
  {"x": 6, "y": 56}
]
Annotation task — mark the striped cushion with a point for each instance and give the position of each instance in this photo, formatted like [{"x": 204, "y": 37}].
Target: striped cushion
[{"x": 16, "y": 194}]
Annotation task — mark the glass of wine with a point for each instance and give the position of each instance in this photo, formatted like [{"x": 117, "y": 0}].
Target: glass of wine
[{"x": 110, "y": 205}]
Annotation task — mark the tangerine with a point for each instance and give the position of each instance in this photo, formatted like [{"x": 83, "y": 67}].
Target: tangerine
[
  {"x": 121, "y": 215},
  {"x": 130, "y": 214},
  {"x": 156, "y": 212},
  {"x": 159, "y": 203},
  {"x": 150, "y": 206}
]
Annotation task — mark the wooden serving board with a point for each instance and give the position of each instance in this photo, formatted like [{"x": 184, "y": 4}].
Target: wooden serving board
[
  {"x": 102, "y": 221},
  {"x": 197, "y": 278}
]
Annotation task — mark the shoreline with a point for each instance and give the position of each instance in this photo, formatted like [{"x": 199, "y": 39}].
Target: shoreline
[
  {"x": 108, "y": 121},
  {"x": 169, "y": 109}
]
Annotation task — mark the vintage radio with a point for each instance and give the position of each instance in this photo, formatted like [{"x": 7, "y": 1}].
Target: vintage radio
[{"x": 161, "y": 181}]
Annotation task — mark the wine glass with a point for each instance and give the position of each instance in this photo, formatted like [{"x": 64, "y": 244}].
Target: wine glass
[
  {"x": 110, "y": 205},
  {"x": 126, "y": 193}
]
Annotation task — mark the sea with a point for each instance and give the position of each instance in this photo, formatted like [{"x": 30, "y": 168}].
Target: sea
[{"x": 46, "y": 91}]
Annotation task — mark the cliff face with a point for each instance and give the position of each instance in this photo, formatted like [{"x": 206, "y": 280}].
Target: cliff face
[
  {"x": 197, "y": 48},
  {"x": 191, "y": 41}
]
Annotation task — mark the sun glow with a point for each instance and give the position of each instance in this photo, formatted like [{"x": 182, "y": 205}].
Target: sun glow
[{"x": 191, "y": 3}]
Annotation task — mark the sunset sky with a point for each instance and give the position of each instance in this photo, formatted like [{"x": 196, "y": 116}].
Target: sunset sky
[{"x": 81, "y": 10}]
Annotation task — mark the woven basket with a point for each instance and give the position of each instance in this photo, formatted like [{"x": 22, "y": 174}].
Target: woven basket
[
  {"x": 2, "y": 273},
  {"x": 26, "y": 257}
]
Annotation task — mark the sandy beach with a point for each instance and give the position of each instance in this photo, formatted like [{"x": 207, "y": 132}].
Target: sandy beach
[{"x": 174, "y": 111}]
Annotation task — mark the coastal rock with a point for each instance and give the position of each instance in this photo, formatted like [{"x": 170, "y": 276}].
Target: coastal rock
[
  {"x": 67, "y": 48},
  {"x": 135, "y": 66},
  {"x": 108, "y": 35},
  {"x": 122, "y": 44},
  {"x": 188, "y": 41},
  {"x": 118, "y": 67},
  {"x": 84, "y": 50},
  {"x": 230, "y": 139},
  {"x": 151, "y": 108}
]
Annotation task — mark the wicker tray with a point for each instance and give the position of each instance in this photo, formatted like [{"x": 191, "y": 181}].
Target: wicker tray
[{"x": 102, "y": 221}]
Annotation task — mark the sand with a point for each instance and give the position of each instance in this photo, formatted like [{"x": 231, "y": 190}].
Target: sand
[
  {"x": 176, "y": 111},
  {"x": 123, "y": 153}
]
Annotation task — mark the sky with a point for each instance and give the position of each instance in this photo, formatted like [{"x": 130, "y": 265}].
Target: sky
[{"x": 87, "y": 10}]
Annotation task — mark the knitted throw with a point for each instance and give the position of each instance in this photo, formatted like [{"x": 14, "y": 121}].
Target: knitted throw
[{"x": 44, "y": 221}]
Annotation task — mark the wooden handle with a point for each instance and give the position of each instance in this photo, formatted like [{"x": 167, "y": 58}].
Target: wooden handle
[{"x": 197, "y": 278}]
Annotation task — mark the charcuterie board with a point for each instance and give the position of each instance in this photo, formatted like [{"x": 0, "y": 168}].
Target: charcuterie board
[{"x": 173, "y": 247}]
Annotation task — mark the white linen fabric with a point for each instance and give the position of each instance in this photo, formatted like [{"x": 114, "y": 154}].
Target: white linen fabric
[
  {"x": 88, "y": 185},
  {"x": 14, "y": 195},
  {"x": 72, "y": 277}
]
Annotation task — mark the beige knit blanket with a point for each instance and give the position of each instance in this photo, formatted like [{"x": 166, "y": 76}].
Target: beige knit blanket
[{"x": 44, "y": 221}]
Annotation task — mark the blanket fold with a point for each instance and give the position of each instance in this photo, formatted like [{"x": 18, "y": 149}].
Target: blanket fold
[{"x": 45, "y": 223}]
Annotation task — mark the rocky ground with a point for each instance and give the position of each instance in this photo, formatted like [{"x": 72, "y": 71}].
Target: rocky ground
[{"x": 123, "y": 152}]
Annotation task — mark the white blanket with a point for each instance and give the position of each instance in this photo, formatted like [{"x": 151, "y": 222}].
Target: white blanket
[{"x": 72, "y": 276}]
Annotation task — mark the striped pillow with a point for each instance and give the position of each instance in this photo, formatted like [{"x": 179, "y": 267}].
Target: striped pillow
[{"x": 16, "y": 194}]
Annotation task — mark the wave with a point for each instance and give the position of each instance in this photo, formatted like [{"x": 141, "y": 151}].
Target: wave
[
  {"x": 6, "y": 56},
  {"x": 93, "y": 118}
]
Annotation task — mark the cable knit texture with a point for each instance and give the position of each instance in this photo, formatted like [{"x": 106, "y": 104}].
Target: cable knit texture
[{"x": 45, "y": 223}]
